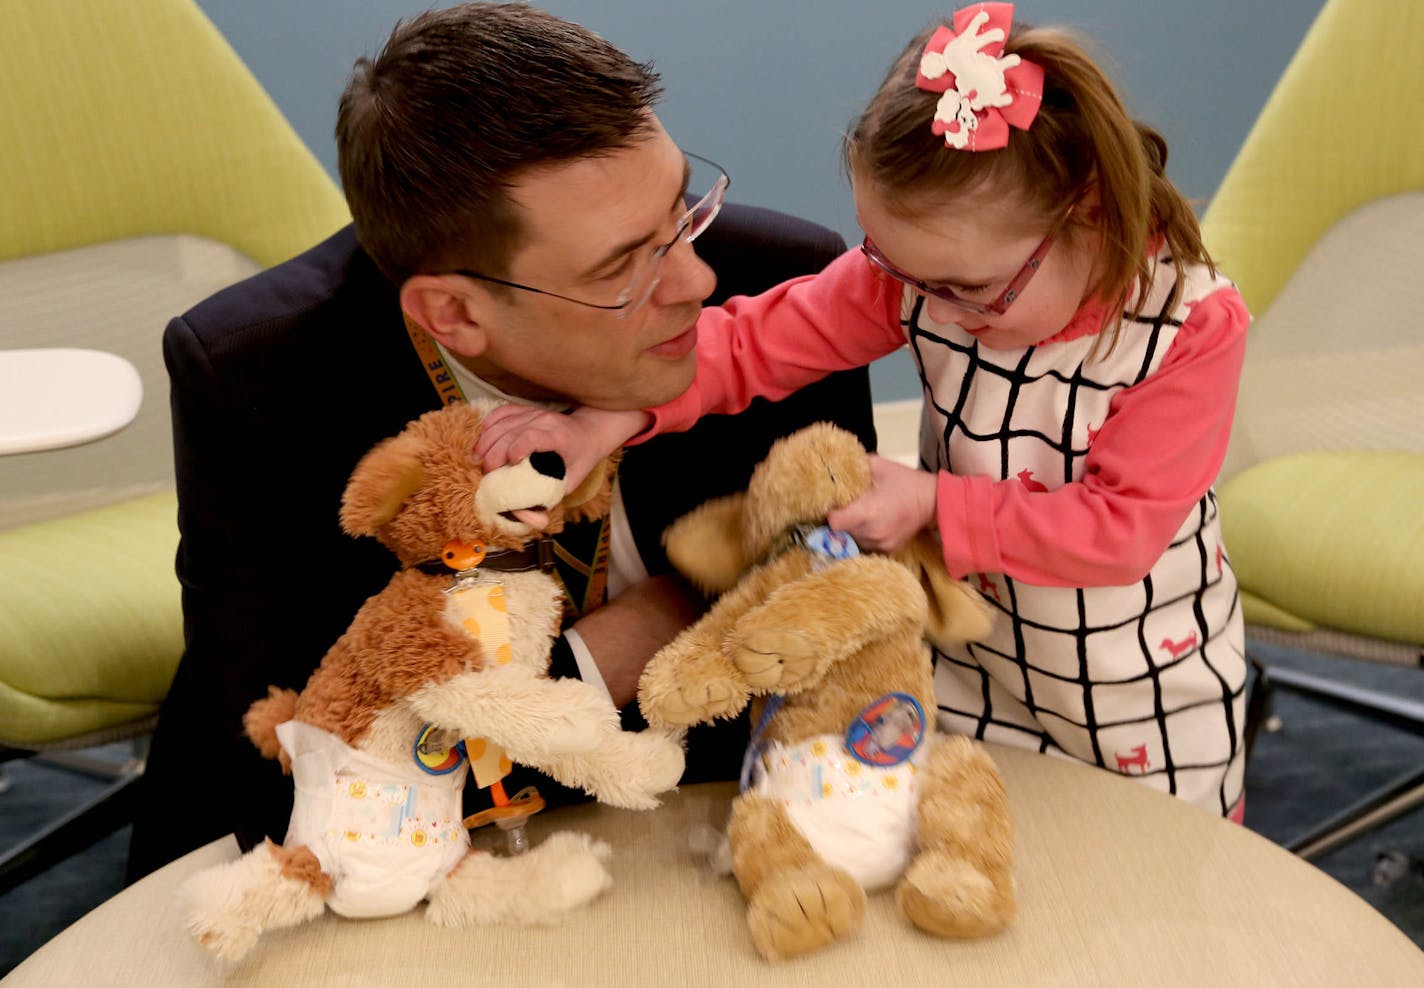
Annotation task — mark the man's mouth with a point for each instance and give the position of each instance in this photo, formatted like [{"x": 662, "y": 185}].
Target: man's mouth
[{"x": 679, "y": 346}]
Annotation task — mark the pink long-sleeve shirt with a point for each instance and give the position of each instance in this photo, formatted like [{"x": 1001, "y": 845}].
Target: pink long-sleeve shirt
[
  {"x": 1154, "y": 456},
  {"x": 1074, "y": 491}
]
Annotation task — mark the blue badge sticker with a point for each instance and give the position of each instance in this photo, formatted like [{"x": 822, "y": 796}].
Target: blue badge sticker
[
  {"x": 830, "y": 542},
  {"x": 888, "y": 731}
]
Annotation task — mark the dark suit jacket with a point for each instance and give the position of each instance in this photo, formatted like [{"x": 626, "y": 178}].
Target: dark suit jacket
[{"x": 279, "y": 385}]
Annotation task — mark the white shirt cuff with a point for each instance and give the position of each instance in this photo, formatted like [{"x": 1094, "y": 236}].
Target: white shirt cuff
[{"x": 588, "y": 669}]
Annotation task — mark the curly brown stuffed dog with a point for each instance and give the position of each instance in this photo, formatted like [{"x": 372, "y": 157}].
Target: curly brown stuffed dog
[
  {"x": 445, "y": 652},
  {"x": 847, "y": 786}
]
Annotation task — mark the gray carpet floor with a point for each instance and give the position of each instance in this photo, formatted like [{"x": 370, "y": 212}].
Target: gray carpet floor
[{"x": 1320, "y": 761}]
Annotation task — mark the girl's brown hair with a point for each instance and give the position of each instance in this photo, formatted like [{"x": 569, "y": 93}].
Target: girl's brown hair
[{"x": 1081, "y": 137}]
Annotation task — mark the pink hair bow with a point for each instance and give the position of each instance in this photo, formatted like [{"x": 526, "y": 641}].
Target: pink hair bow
[{"x": 985, "y": 91}]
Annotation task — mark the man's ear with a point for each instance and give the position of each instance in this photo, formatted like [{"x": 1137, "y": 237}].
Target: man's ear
[
  {"x": 449, "y": 308},
  {"x": 706, "y": 545}
]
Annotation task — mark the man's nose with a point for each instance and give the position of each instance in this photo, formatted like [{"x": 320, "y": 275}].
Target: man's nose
[{"x": 685, "y": 277}]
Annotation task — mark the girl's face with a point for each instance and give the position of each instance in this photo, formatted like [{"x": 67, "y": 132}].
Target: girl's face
[{"x": 975, "y": 244}]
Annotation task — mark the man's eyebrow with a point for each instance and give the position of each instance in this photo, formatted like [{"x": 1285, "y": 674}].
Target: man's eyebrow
[{"x": 632, "y": 245}]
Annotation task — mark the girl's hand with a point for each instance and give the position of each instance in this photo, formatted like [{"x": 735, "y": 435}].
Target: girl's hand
[
  {"x": 899, "y": 503},
  {"x": 511, "y": 433}
]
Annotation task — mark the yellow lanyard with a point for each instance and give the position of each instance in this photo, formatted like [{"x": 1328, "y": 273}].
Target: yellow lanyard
[{"x": 446, "y": 387}]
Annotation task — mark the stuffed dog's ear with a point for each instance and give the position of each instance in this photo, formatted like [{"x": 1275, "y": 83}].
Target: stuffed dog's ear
[
  {"x": 957, "y": 613},
  {"x": 593, "y": 497},
  {"x": 380, "y": 484},
  {"x": 705, "y": 545},
  {"x": 588, "y": 490}
]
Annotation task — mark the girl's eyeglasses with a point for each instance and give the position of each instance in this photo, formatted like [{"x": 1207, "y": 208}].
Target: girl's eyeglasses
[{"x": 999, "y": 305}]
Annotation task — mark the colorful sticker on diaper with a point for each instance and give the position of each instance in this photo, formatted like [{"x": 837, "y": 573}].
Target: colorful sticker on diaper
[
  {"x": 385, "y": 814},
  {"x": 437, "y": 751},
  {"x": 888, "y": 731},
  {"x": 367, "y": 809}
]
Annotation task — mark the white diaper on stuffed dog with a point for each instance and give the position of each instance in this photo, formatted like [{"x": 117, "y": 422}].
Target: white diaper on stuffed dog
[
  {"x": 856, "y": 816},
  {"x": 386, "y": 834}
]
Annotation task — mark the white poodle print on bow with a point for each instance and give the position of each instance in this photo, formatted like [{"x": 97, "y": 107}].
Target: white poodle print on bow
[{"x": 985, "y": 91}]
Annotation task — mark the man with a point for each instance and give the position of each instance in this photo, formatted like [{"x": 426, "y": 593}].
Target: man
[{"x": 521, "y": 229}]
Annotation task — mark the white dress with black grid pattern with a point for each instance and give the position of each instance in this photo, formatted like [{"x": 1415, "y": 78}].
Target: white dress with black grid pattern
[{"x": 1146, "y": 679}]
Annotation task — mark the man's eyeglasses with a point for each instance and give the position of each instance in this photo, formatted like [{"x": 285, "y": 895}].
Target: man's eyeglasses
[
  {"x": 645, "y": 280},
  {"x": 999, "y": 305}
]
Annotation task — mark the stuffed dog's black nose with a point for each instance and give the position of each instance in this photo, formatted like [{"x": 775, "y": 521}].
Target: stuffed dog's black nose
[{"x": 548, "y": 463}]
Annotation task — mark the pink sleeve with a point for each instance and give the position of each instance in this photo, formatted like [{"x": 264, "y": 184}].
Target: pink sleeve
[
  {"x": 771, "y": 344},
  {"x": 1158, "y": 452}
]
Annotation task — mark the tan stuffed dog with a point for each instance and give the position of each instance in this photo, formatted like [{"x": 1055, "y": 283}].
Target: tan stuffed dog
[
  {"x": 436, "y": 658},
  {"x": 847, "y": 787}
]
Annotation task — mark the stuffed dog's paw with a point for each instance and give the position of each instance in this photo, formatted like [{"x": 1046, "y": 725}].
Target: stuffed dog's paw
[
  {"x": 949, "y": 895},
  {"x": 229, "y": 906},
  {"x": 804, "y": 909},
  {"x": 679, "y": 688},
  {"x": 775, "y": 657},
  {"x": 551, "y": 879},
  {"x": 698, "y": 703},
  {"x": 629, "y": 770},
  {"x": 659, "y": 761}
]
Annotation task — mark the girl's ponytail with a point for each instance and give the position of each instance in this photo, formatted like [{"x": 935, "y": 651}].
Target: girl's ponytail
[{"x": 1082, "y": 137}]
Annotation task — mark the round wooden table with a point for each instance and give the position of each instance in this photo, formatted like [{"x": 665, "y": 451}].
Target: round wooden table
[{"x": 1118, "y": 885}]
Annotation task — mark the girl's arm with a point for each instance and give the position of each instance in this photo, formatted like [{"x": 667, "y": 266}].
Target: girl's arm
[
  {"x": 766, "y": 345},
  {"x": 583, "y": 438},
  {"x": 1158, "y": 452},
  {"x": 770, "y": 345}
]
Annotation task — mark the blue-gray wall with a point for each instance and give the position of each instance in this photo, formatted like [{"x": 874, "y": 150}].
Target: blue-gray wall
[{"x": 766, "y": 86}]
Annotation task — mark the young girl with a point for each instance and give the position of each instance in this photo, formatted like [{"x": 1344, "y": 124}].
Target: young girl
[{"x": 1079, "y": 356}]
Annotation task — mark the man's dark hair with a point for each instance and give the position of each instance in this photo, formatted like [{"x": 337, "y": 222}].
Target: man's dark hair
[{"x": 432, "y": 132}]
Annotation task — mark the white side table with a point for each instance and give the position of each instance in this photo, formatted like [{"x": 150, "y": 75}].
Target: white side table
[{"x": 56, "y": 397}]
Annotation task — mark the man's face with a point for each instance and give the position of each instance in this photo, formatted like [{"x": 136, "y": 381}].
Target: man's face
[{"x": 589, "y": 226}]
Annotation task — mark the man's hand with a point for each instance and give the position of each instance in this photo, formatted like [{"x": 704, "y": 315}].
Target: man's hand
[
  {"x": 626, "y": 632},
  {"x": 899, "y": 503},
  {"x": 511, "y": 433}
]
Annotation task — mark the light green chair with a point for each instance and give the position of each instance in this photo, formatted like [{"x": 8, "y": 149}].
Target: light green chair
[
  {"x": 1320, "y": 220},
  {"x": 142, "y": 167}
]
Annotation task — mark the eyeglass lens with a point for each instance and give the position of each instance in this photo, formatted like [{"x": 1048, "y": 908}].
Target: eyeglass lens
[
  {"x": 947, "y": 294},
  {"x": 693, "y": 223}
]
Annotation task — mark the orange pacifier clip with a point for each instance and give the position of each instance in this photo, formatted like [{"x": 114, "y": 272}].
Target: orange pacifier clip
[
  {"x": 463, "y": 555},
  {"x": 490, "y": 765}
]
